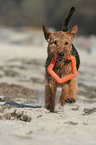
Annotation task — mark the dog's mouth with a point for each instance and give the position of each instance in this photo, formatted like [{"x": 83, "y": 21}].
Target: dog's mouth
[{"x": 60, "y": 61}]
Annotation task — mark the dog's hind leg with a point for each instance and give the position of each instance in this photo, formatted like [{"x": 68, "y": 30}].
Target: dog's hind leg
[{"x": 50, "y": 93}]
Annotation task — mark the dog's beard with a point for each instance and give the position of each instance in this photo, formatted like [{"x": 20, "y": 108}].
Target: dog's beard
[
  {"x": 53, "y": 55},
  {"x": 60, "y": 62}
]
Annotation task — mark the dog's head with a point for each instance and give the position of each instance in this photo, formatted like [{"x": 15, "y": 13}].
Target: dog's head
[{"x": 59, "y": 43}]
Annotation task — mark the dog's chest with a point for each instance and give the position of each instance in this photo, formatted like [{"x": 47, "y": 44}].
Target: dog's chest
[{"x": 63, "y": 69}]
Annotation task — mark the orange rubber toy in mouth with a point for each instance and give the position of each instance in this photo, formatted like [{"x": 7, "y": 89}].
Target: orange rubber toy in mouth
[{"x": 66, "y": 78}]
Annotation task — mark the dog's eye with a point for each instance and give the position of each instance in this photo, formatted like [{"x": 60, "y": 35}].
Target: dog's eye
[
  {"x": 66, "y": 43},
  {"x": 55, "y": 42}
]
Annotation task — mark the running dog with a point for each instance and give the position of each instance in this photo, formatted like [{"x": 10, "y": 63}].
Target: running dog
[{"x": 60, "y": 47}]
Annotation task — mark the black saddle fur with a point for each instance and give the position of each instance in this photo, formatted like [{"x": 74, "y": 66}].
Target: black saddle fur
[{"x": 76, "y": 55}]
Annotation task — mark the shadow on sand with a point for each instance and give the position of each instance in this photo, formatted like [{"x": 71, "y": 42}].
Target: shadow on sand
[{"x": 21, "y": 105}]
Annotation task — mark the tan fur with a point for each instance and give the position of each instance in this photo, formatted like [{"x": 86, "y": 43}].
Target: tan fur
[{"x": 59, "y": 42}]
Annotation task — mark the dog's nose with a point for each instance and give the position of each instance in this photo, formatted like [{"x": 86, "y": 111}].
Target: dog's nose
[{"x": 61, "y": 54}]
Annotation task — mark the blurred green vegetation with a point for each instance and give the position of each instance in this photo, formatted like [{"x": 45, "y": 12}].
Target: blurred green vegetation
[{"x": 34, "y": 13}]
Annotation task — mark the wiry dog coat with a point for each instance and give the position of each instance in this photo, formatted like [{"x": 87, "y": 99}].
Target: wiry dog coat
[{"x": 60, "y": 47}]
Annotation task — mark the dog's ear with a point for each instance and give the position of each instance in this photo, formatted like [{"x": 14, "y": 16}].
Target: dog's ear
[
  {"x": 73, "y": 32},
  {"x": 46, "y": 32}
]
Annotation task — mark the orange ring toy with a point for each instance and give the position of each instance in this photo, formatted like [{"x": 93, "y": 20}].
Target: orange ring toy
[{"x": 66, "y": 78}]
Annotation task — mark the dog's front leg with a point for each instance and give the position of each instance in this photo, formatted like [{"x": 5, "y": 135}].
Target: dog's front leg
[
  {"x": 72, "y": 91},
  {"x": 50, "y": 93},
  {"x": 69, "y": 90},
  {"x": 65, "y": 93}
]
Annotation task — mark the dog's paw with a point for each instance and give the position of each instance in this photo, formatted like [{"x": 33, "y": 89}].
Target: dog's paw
[{"x": 70, "y": 100}]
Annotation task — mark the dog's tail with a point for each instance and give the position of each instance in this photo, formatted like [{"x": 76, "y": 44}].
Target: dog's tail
[{"x": 67, "y": 19}]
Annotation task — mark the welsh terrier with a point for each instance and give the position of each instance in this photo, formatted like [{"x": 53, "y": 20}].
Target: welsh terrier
[{"x": 60, "y": 47}]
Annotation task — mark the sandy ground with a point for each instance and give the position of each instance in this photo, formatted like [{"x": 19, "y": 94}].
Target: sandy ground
[{"x": 23, "y": 118}]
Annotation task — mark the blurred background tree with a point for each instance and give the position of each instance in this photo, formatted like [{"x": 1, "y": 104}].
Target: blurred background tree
[{"x": 34, "y": 13}]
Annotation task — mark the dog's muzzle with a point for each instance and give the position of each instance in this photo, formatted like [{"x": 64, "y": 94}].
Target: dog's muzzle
[
  {"x": 60, "y": 57},
  {"x": 60, "y": 54}
]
